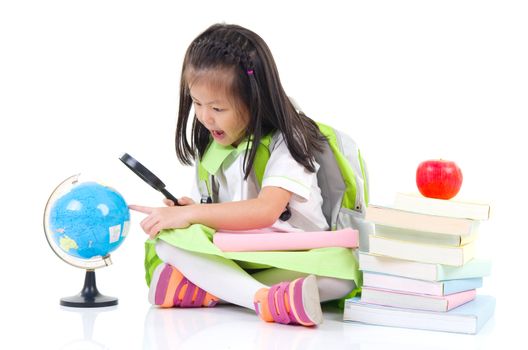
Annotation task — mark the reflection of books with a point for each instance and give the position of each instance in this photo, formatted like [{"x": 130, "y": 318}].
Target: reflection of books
[
  {"x": 423, "y": 237},
  {"x": 269, "y": 241},
  {"x": 416, "y": 301},
  {"x": 468, "y": 318},
  {"x": 423, "y": 271},
  {"x": 409, "y": 285},
  {"x": 452, "y": 208},
  {"x": 447, "y": 255},
  {"x": 420, "y": 222}
]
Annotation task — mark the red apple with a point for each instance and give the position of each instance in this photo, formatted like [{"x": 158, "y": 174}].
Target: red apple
[{"x": 438, "y": 178}]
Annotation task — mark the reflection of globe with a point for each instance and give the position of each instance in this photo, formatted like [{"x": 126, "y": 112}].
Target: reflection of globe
[{"x": 84, "y": 221}]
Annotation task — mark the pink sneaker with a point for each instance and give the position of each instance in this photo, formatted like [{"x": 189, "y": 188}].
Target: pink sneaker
[
  {"x": 295, "y": 302},
  {"x": 169, "y": 288}
]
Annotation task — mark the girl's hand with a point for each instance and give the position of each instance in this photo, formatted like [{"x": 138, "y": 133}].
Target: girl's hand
[
  {"x": 181, "y": 201},
  {"x": 161, "y": 218}
]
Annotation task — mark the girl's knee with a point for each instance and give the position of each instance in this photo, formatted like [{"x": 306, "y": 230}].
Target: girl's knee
[
  {"x": 334, "y": 288},
  {"x": 164, "y": 250}
]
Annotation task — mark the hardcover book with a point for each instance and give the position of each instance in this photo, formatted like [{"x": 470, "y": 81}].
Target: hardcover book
[
  {"x": 416, "y": 301},
  {"x": 420, "y": 222},
  {"x": 468, "y": 318},
  {"x": 447, "y": 255},
  {"x": 424, "y": 271},
  {"x": 410, "y": 285},
  {"x": 452, "y": 208},
  {"x": 423, "y": 237}
]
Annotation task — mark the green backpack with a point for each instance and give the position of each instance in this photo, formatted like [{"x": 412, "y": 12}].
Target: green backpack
[{"x": 342, "y": 178}]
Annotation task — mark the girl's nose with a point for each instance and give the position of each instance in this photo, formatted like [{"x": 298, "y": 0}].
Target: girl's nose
[{"x": 207, "y": 116}]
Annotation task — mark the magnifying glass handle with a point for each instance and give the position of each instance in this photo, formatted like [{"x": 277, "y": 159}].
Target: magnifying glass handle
[{"x": 168, "y": 195}]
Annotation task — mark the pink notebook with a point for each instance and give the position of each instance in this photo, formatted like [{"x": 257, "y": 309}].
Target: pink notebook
[{"x": 269, "y": 241}]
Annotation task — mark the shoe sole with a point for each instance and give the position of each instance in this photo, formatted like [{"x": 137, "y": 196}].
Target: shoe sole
[
  {"x": 154, "y": 283},
  {"x": 310, "y": 300}
]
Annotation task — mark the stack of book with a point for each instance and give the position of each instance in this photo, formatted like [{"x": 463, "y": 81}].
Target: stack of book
[{"x": 421, "y": 270}]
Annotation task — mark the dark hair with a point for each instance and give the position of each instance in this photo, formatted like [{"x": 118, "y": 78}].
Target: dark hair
[{"x": 255, "y": 86}]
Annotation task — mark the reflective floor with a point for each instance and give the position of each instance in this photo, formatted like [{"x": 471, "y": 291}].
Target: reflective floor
[{"x": 134, "y": 325}]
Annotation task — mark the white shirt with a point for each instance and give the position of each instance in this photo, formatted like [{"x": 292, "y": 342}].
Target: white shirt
[{"x": 283, "y": 171}]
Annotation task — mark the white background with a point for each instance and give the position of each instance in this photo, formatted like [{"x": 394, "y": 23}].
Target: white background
[{"x": 83, "y": 82}]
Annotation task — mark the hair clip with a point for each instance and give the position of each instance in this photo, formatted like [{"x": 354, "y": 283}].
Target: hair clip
[{"x": 249, "y": 72}]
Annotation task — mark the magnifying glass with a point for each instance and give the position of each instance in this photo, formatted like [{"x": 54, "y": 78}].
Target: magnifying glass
[{"x": 147, "y": 176}]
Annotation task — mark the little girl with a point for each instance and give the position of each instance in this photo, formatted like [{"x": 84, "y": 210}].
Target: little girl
[{"x": 230, "y": 79}]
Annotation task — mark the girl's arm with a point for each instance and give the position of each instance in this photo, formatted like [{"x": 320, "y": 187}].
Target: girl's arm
[{"x": 248, "y": 214}]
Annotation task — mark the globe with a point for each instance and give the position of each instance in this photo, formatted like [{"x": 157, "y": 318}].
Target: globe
[{"x": 84, "y": 221}]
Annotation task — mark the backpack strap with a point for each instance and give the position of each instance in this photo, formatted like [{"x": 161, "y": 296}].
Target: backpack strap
[
  {"x": 204, "y": 183},
  {"x": 349, "y": 197},
  {"x": 365, "y": 178},
  {"x": 261, "y": 157},
  {"x": 259, "y": 166}
]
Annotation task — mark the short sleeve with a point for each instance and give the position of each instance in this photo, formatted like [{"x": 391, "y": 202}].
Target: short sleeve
[{"x": 282, "y": 170}]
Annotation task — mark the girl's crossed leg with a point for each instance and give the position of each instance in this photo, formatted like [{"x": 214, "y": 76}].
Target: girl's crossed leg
[{"x": 297, "y": 301}]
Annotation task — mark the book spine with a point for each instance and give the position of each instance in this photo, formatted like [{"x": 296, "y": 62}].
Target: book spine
[
  {"x": 398, "y": 267},
  {"x": 423, "y": 237},
  {"x": 402, "y": 284},
  {"x": 416, "y": 301},
  {"x": 420, "y": 222},
  {"x": 403, "y": 300}
]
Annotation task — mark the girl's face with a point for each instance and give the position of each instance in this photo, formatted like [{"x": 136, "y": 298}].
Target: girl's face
[{"x": 218, "y": 114}]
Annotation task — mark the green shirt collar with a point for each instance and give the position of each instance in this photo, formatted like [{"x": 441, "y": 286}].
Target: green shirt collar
[{"x": 216, "y": 155}]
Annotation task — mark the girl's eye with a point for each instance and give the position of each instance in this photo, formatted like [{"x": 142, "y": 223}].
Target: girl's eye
[
  {"x": 216, "y": 109},
  {"x": 197, "y": 103}
]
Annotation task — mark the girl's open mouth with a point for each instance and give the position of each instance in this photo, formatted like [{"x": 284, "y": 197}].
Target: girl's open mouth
[{"x": 218, "y": 134}]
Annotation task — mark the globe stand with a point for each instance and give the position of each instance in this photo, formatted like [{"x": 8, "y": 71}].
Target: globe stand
[{"x": 89, "y": 295}]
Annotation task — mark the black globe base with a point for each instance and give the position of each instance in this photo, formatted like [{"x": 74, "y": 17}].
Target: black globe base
[{"x": 89, "y": 295}]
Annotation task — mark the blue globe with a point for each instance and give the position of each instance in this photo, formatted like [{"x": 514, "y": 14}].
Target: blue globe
[{"x": 88, "y": 221}]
